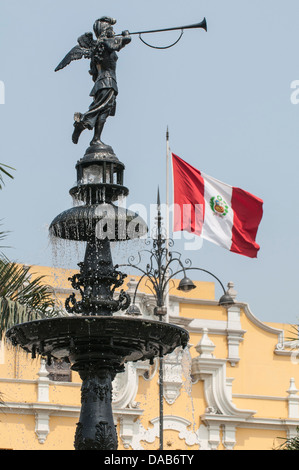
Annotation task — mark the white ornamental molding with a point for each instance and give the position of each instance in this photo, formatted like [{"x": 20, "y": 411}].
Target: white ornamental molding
[
  {"x": 42, "y": 430},
  {"x": 235, "y": 334},
  {"x": 220, "y": 411},
  {"x": 197, "y": 438},
  {"x": 293, "y": 400},
  {"x": 213, "y": 372},
  {"x": 205, "y": 346},
  {"x": 128, "y": 424},
  {"x": 125, "y": 385},
  {"x": 43, "y": 383},
  {"x": 172, "y": 375},
  {"x": 125, "y": 409}
]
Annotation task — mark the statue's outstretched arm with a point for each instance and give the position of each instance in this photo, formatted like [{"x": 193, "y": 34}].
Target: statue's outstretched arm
[{"x": 117, "y": 43}]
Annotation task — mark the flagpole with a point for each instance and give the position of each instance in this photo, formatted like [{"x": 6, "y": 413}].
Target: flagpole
[
  {"x": 167, "y": 213},
  {"x": 161, "y": 380},
  {"x": 167, "y": 185}
]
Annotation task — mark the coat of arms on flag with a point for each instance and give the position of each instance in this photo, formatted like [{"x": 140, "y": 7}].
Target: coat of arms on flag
[{"x": 219, "y": 206}]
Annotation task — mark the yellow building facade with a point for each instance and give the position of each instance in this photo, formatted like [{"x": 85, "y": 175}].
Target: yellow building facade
[{"x": 233, "y": 388}]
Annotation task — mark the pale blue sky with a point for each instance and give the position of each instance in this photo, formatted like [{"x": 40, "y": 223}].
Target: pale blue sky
[{"x": 225, "y": 96}]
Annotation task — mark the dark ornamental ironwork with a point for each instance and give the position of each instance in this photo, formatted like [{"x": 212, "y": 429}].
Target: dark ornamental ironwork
[
  {"x": 96, "y": 283},
  {"x": 92, "y": 337}
]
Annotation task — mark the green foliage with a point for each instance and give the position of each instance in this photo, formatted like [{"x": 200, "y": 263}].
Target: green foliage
[
  {"x": 23, "y": 298},
  {"x": 3, "y": 171},
  {"x": 291, "y": 444}
]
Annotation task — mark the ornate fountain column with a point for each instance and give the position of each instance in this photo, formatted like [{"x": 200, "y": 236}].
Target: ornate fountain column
[{"x": 96, "y": 429}]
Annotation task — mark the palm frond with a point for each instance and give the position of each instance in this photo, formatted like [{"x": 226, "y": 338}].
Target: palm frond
[
  {"x": 13, "y": 313},
  {"x": 3, "y": 171},
  {"x": 3, "y": 235},
  {"x": 22, "y": 297},
  {"x": 290, "y": 444}
]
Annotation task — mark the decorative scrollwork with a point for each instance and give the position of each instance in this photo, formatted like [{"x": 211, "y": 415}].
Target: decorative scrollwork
[
  {"x": 124, "y": 300},
  {"x": 71, "y": 304},
  {"x": 95, "y": 391},
  {"x": 97, "y": 288},
  {"x": 105, "y": 438}
]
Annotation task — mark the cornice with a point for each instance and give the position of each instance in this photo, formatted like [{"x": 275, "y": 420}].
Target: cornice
[
  {"x": 253, "y": 423},
  {"x": 68, "y": 411},
  {"x": 263, "y": 326},
  {"x": 50, "y": 408},
  {"x": 197, "y": 301},
  {"x": 259, "y": 397}
]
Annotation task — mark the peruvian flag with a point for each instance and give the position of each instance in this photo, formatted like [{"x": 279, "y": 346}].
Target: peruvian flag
[{"x": 222, "y": 214}]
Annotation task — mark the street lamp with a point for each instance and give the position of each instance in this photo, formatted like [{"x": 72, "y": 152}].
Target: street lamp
[
  {"x": 158, "y": 273},
  {"x": 186, "y": 285}
]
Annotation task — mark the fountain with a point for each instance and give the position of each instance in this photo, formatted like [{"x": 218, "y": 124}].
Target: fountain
[{"x": 92, "y": 337}]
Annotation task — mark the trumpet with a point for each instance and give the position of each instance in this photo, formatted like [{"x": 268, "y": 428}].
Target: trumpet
[{"x": 202, "y": 25}]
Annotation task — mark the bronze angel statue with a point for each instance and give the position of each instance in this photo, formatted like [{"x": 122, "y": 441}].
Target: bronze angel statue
[{"x": 102, "y": 54}]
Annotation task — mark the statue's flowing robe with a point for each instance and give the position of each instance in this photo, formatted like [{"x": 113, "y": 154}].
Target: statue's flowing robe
[{"x": 105, "y": 89}]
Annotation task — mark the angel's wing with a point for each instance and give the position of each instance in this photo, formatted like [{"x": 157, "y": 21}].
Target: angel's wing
[
  {"x": 84, "y": 48},
  {"x": 86, "y": 41}
]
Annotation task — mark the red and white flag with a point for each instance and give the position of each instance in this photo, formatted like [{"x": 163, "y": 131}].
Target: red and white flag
[{"x": 222, "y": 214}]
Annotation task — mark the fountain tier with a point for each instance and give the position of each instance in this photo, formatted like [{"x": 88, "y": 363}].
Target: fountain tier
[
  {"x": 97, "y": 347},
  {"x": 97, "y": 338}
]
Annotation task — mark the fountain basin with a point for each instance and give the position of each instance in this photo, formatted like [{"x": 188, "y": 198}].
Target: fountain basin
[
  {"x": 111, "y": 341},
  {"x": 98, "y": 220}
]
